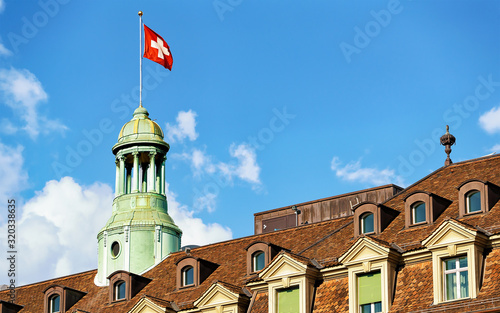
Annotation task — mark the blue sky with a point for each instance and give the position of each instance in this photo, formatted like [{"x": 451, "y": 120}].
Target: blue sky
[{"x": 268, "y": 104}]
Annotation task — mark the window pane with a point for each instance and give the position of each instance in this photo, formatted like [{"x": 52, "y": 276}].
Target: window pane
[
  {"x": 463, "y": 262},
  {"x": 369, "y": 288},
  {"x": 121, "y": 290},
  {"x": 419, "y": 213},
  {"x": 451, "y": 264},
  {"x": 366, "y": 308},
  {"x": 464, "y": 284},
  {"x": 451, "y": 286},
  {"x": 187, "y": 276},
  {"x": 288, "y": 300},
  {"x": 259, "y": 261},
  {"x": 115, "y": 249},
  {"x": 473, "y": 201},
  {"x": 54, "y": 304},
  {"x": 367, "y": 224},
  {"x": 378, "y": 306}
]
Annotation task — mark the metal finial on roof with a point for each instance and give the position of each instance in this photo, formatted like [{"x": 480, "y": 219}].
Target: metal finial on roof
[{"x": 448, "y": 140}]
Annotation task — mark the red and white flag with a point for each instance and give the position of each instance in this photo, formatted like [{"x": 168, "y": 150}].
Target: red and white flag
[{"x": 156, "y": 49}]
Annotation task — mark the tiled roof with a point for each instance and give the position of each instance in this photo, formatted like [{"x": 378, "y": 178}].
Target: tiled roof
[
  {"x": 32, "y": 297},
  {"x": 323, "y": 242},
  {"x": 260, "y": 303},
  {"x": 332, "y": 296},
  {"x": 443, "y": 183}
]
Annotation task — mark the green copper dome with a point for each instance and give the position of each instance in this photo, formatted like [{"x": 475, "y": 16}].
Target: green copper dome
[{"x": 140, "y": 129}]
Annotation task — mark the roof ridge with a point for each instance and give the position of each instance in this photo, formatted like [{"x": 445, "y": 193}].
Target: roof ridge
[
  {"x": 483, "y": 158},
  {"x": 342, "y": 195},
  {"x": 54, "y": 279},
  {"x": 325, "y": 237},
  {"x": 236, "y": 240},
  {"x": 226, "y": 284}
]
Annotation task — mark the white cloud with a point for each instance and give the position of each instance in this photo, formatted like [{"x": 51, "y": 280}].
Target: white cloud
[
  {"x": 353, "y": 172},
  {"x": 57, "y": 228},
  {"x": 14, "y": 177},
  {"x": 490, "y": 121},
  {"x": 495, "y": 148},
  {"x": 206, "y": 202},
  {"x": 200, "y": 162},
  {"x": 195, "y": 231},
  {"x": 185, "y": 127},
  {"x": 4, "y": 51},
  {"x": 247, "y": 168},
  {"x": 23, "y": 92},
  {"x": 8, "y": 127}
]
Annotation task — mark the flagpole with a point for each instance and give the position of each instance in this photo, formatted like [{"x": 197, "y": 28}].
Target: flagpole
[{"x": 140, "y": 58}]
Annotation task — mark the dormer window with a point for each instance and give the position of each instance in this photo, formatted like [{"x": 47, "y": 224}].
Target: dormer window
[
  {"x": 192, "y": 271},
  {"x": 477, "y": 196},
  {"x": 422, "y": 207},
  {"x": 369, "y": 292},
  {"x": 9, "y": 307},
  {"x": 259, "y": 255},
  {"x": 54, "y": 304},
  {"x": 124, "y": 285},
  {"x": 120, "y": 290},
  {"x": 258, "y": 261},
  {"x": 372, "y": 218},
  {"x": 187, "y": 276},
  {"x": 366, "y": 222},
  {"x": 473, "y": 201},
  {"x": 58, "y": 299},
  {"x": 418, "y": 214},
  {"x": 289, "y": 300},
  {"x": 456, "y": 278}
]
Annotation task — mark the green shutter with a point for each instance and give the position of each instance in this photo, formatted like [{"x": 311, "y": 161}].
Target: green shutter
[
  {"x": 369, "y": 288},
  {"x": 288, "y": 300}
]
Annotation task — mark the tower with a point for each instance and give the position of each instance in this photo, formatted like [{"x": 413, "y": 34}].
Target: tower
[{"x": 139, "y": 233}]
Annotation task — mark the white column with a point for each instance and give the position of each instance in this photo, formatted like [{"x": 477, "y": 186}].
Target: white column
[
  {"x": 122, "y": 177},
  {"x": 152, "y": 172},
  {"x": 135, "y": 169},
  {"x": 162, "y": 180},
  {"x": 117, "y": 178}
]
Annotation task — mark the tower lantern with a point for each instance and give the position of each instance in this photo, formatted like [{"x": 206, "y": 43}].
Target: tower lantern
[{"x": 139, "y": 233}]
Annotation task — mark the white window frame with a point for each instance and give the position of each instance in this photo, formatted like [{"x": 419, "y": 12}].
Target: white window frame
[
  {"x": 362, "y": 223},
  {"x": 184, "y": 271},
  {"x": 457, "y": 272},
  {"x": 467, "y": 202},
  {"x": 51, "y": 303},
  {"x": 254, "y": 260},
  {"x": 413, "y": 209},
  {"x": 372, "y": 307},
  {"x": 117, "y": 294}
]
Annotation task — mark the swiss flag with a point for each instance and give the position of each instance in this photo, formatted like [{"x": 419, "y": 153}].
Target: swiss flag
[{"x": 156, "y": 49}]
